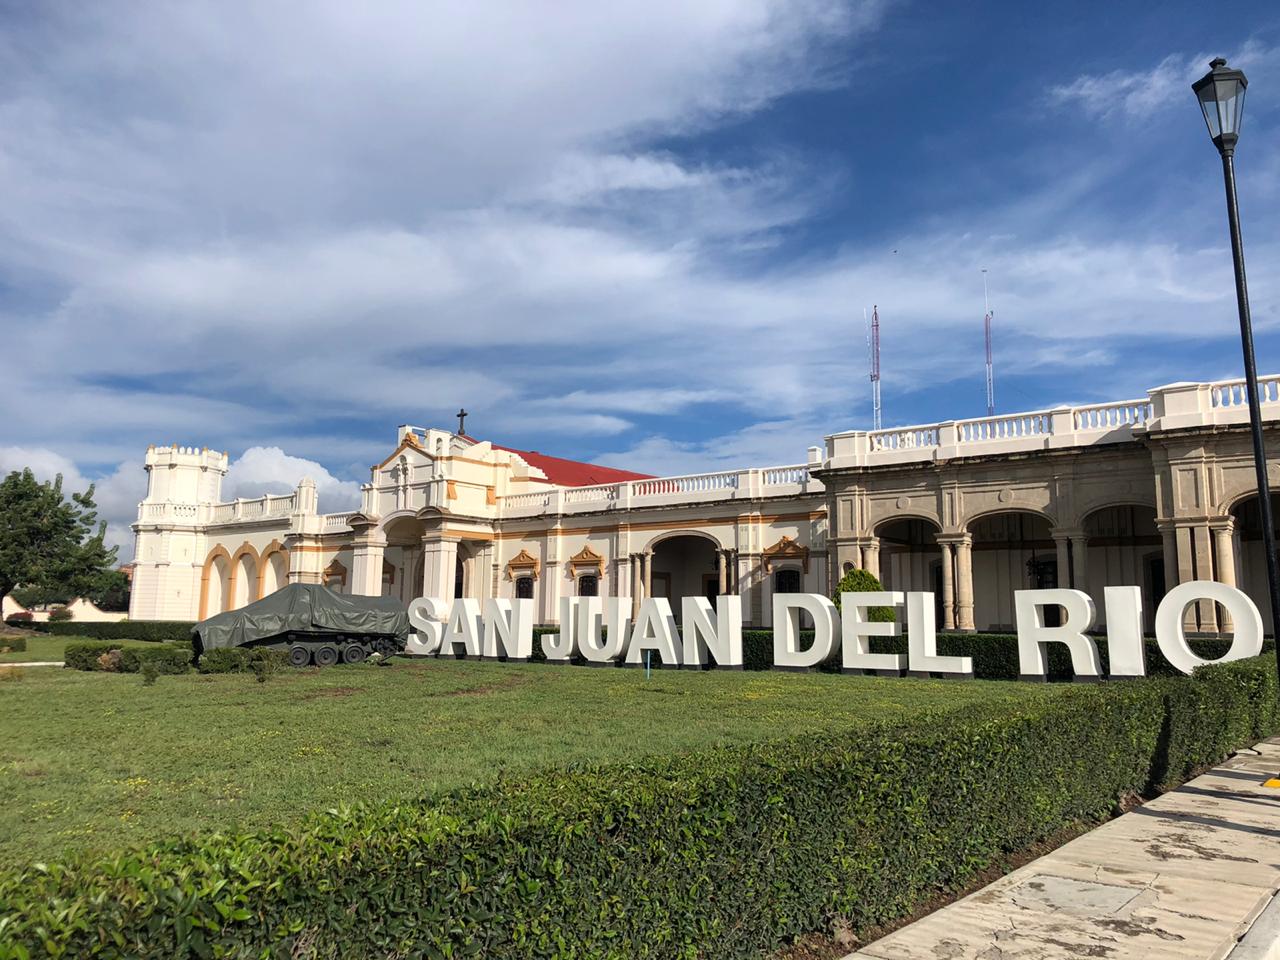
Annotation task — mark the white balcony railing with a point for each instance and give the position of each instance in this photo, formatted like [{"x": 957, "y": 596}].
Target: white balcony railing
[
  {"x": 1176, "y": 406},
  {"x": 270, "y": 507}
]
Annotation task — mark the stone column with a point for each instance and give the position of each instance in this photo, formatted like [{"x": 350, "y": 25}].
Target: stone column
[
  {"x": 1204, "y": 568},
  {"x": 637, "y": 585},
  {"x": 439, "y": 564},
  {"x": 722, "y": 562},
  {"x": 964, "y": 583},
  {"x": 948, "y": 589},
  {"x": 1224, "y": 554},
  {"x": 647, "y": 557},
  {"x": 1062, "y": 542},
  {"x": 1169, "y": 540},
  {"x": 1080, "y": 561},
  {"x": 871, "y": 557},
  {"x": 1224, "y": 565},
  {"x": 366, "y": 573}
]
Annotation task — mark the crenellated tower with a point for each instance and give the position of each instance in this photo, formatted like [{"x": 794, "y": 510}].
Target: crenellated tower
[{"x": 182, "y": 485}]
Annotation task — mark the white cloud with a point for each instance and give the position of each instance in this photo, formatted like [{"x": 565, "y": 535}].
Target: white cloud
[
  {"x": 1139, "y": 94},
  {"x": 262, "y": 470}
]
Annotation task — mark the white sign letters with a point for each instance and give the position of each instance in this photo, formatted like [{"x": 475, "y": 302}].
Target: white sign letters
[{"x": 808, "y": 631}]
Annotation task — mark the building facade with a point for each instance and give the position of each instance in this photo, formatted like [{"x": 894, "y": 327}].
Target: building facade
[{"x": 1150, "y": 492}]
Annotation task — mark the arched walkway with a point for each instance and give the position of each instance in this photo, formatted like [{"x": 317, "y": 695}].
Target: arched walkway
[
  {"x": 245, "y": 584},
  {"x": 685, "y": 565},
  {"x": 1246, "y": 565},
  {"x": 215, "y": 583},
  {"x": 1123, "y": 546},
  {"x": 910, "y": 559},
  {"x": 1013, "y": 550},
  {"x": 275, "y": 569}
]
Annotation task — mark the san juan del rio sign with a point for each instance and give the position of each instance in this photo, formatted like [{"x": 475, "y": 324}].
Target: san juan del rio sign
[{"x": 601, "y": 631}]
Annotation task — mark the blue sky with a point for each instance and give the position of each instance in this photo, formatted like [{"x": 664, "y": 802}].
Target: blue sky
[{"x": 642, "y": 234}]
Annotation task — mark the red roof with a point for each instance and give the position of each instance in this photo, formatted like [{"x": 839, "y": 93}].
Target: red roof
[{"x": 572, "y": 473}]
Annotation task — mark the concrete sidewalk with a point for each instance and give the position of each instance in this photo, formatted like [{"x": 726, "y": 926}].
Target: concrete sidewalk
[{"x": 1184, "y": 876}]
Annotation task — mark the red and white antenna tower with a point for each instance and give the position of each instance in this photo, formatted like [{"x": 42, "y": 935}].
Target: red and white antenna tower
[
  {"x": 991, "y": 385},
  {"x": 874, "y": 347}
]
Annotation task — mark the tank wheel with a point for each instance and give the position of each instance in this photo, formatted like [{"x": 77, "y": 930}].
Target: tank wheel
[
  {"x": 354, "y": 653},
  {"x": 299, "y": 656},
  {"x": 385, "y": 647},
  {"x": 326, "y": 655}
]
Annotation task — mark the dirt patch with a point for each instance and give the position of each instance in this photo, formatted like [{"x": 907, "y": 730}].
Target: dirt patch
[
  {"x": 482, "y": 689},
  {"x": 331, "y": 693}
]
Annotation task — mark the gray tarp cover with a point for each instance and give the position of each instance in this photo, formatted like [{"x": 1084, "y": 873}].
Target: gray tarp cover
[{"x": 303, "y": 606}]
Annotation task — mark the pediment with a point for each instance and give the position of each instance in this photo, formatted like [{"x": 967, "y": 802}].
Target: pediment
[{"x": 786, "y": 549}]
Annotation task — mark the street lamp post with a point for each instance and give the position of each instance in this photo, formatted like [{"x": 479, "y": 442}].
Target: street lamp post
[{"x": 1221, "y": 95}]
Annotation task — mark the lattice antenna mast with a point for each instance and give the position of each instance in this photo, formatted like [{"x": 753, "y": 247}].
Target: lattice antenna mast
[
  {"x": 986, "y": 322},
  {"x": 875, "y": 368}
]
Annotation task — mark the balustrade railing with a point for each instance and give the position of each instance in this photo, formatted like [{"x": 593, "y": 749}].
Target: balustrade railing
[
  {"x": 1232, "y": 393},
  {"x": 908, "y": 438},
  {"x": 694, "y": 483},
  {"x": 337, "y": 521},
  {"x": 1004, "y": 428},
  {"x": 775, "y": 476},
  {"x": 606, "y": 493},
  {"x": 1107, "y": 416}
]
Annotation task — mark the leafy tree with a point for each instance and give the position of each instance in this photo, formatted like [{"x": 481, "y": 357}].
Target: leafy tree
[
  {"x": 48, "y": 543},
  {"x": 861, "y": 581},
  {"x": 111, "y": 592}
]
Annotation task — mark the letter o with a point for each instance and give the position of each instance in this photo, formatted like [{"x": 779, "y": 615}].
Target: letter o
[{"x": 1247, "y": 621}]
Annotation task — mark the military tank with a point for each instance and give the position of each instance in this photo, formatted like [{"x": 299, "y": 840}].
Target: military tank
[{"x": 311, "y": 622}]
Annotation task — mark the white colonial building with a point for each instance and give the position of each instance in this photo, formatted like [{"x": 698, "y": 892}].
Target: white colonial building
[{"x": 1150, "y": 492}]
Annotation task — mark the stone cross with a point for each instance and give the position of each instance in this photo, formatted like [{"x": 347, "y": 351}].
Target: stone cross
[{"x": 462, "y": 420}]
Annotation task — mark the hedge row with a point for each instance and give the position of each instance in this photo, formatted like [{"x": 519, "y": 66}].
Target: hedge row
[
  {"x": 721, "y": 854},
  {"x": 154, "y": 630},
  {"x": 12, "y": 644},
  {"x": 995, "y": 655},
  {"x": 169, "y": 658},
  {"x": 242, "y": 660}
]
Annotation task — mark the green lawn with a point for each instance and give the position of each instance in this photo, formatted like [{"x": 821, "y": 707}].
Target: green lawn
[
  {"x": 100, "y": 760},
  {"x": 43, "y": 648}
]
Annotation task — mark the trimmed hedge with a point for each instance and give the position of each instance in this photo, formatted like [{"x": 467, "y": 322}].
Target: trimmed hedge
[
  {"x": 995, "y": 655},
  {"x": 169, "y": 658},
  {"x": 13, "y": 644},
  {"x": 150, "y": 630},
  {"x": 242, "y": 660},
  {"x": 725, "y": 853}
]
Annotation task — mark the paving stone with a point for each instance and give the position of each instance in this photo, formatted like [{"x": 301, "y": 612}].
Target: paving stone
[{"x": 1182, "y": 877}]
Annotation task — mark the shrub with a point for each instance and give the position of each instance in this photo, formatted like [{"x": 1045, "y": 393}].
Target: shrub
[
  {"x": 169, "y": 658},
  {"x": 150, "y": 672},
  {"x": 13, "y": 644},
  {"x": 267, "y": 663},
  {"x": 23, "y": 617},
  {"x": 724, "y": 853},
  {"x": 59, "y": 615},
  {"x": 862, "y": 581},
  {"x": 153, "y": 630},
  {"x": 224, "y": 660}
]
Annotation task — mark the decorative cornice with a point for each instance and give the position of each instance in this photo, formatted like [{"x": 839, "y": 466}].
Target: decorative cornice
[
  {"x": 584, "y": 559},
  {"x": 785, "y": 549},
  {"x": 524, "y": 562}
]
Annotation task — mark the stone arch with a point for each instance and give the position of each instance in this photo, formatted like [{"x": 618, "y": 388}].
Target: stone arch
[
  {"x": 1012, "y": 549},
  {"x": 1121, "y": 546},
  {"x": 273, "y": 566},
  {"x": 1240, "y": 552},
  {"x": 683, "y": 564},
  {"x": 245, "y": 584},
  {"x": 1044, "y": 515},
  {"x": 214, "y": 582},
  {"x": 671, "y": 534},
  {"x": 927, "y": 518}
]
